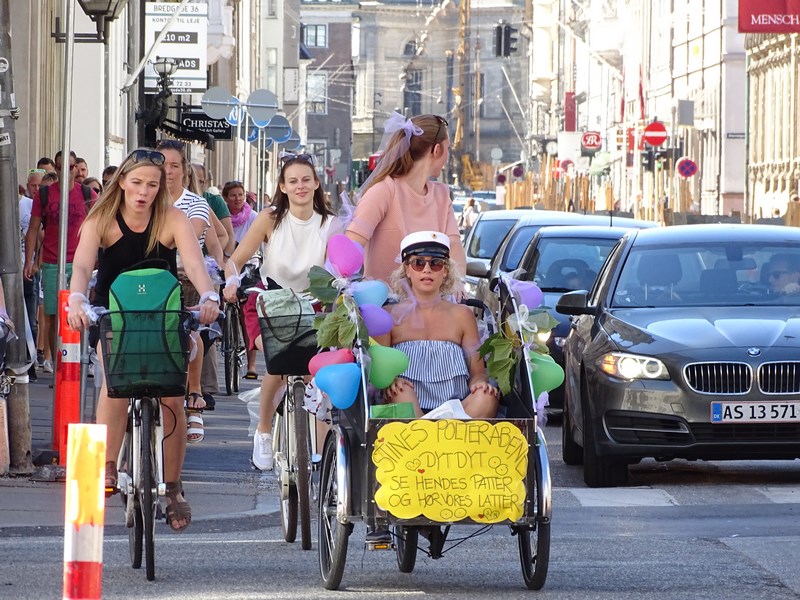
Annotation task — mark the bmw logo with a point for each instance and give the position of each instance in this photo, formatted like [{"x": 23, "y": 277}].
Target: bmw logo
[{"x": 753, "y": 352}]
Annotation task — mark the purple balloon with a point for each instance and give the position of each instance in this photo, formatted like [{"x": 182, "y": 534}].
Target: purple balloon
[
  {"x": 377, "y": 320},
  {"x": 345, "y": 254},
  {"x": 528, "y": 293}
]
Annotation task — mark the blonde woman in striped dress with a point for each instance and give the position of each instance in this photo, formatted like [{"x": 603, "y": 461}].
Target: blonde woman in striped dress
[{"x": 439, "y": 337}]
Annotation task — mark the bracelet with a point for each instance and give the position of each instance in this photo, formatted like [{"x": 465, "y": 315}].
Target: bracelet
[{"x": 234, "y": 280}]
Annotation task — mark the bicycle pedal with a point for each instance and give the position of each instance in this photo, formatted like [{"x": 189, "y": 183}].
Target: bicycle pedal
[{"x": 377, "y": 545}]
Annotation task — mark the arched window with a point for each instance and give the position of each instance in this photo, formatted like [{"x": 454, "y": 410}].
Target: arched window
[{"x": 410, "y": 48}]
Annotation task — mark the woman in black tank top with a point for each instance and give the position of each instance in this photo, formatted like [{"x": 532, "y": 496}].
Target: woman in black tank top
[{"x": 134, "y": 220}]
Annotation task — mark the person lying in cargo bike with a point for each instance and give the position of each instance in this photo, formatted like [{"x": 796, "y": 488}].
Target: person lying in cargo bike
[{"x": 439, "y": 337}]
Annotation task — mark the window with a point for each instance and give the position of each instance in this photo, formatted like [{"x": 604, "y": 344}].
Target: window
[
  {"x": 410, "y": 49},
  {"x": 317, "y": 94},
  {"x": 412, "y": 94},
  {"x": 272, "y": 9},
  {"x": 316, "y": 36},
  {"x": 271, "y": 71}
]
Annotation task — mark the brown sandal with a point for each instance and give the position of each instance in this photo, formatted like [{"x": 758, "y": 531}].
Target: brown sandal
[
  {"x": 177, "y": 510},
  {"x": 111, "y": 478}
]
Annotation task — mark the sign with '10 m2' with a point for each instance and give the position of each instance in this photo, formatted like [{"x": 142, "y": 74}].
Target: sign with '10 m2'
[{"x": 186, "y": 42}]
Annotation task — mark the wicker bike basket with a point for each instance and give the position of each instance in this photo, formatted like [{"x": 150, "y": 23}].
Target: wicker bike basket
[{"x": 145, "y": 353}]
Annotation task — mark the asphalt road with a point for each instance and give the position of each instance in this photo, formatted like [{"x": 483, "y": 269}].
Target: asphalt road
[{"x": 681, "y": 530}]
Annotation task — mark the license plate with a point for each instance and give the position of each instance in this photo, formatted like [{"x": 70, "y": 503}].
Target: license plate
[{"x": 755, "y": 412}]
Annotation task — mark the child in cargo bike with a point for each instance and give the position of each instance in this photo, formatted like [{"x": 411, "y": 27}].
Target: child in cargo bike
[
  {"x": 134, "y": 221},
  {"x": 439, "y": 337}
]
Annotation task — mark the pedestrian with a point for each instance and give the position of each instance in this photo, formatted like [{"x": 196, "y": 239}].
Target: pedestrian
[
  {"x": 294, "y": 237},
  {"x": 134, "y": 221},
  {"x": 217, "y": 204},
  {"x": 47, "y": 164},
  {"x": 107, "y": 174},
  {"x": 468, "y": 215},
  {"x": 48, "y": 212},
  {"x": 81, "y": 170},
  {"x": 30, "y": 287},
  {"x": 94, "y": 184},
  {"x": 399, "y": 197}
]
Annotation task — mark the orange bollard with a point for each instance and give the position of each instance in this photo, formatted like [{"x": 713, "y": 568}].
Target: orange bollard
[
  {"x": 67, "y": 401},
  {"x": 84, "y": 512}
]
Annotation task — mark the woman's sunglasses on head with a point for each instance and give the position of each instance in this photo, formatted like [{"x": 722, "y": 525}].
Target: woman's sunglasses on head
[
  {"x": 154, "y": 156},
  {"x": 287, "y": 156},
  {"x": 441, "y": 121},
  {"x": 418, "y": 264}
]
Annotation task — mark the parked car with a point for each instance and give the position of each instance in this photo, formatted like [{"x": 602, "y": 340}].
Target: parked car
[
  {"x": 483, "y": 240},
  {"x": 686, "y": 347}
]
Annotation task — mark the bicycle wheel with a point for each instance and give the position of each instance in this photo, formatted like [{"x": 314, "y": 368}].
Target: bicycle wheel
[
  {"x": 406, "y": 540},
  {"x": 289, "y": 496},
  {"x": 133, "y": 515},
  {"x": 332, "y": 534},
  {"x": 148, "y": 497},
  {"x": 229, "y": 357},
  {"x": 535, "y": 557},
  {"x": 302, "y": 463}
]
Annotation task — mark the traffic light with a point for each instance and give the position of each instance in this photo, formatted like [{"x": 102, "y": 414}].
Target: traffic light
[
  {"x": 498, "y": 40},
  {"x": 620, "y": 139},
  {"x": 648, "y": 160},
  {"x": 509, "y": 39}
]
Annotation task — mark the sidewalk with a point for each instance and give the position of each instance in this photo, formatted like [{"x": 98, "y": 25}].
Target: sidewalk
[{"x": 218, "y": 479}]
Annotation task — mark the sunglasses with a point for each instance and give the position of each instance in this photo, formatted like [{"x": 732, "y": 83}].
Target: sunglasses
[
  {"x": 418, "y": 264},
  {"x": 37, "y": 172},
  {"x": 153, "y": 156},
  {"x": 777, "y": 274},
  {"x": 287, "y": 156},
  {"x": 234, "y": 182},
  {"x": 170, "y": 145},
  {"x": 96, "y": 190},
  {"x": 441, "y": 122}
]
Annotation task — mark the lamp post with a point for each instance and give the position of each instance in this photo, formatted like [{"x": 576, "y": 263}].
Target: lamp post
[{"x": 154, "y": 115}]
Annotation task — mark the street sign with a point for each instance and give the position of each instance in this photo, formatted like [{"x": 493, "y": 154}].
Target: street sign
[
  {"x": 262, "y": 106},
  {"x": 655, "y": 133},
  {"x": 686, "y": 167},
  {"x": 591, "y": 140},
  {"x": 293, "y": 142},
  {"x": 186, "y": 42},
  {"x": 279, "y": 129},
  {"x": 219, "y": 128},
  {"x": 217, "y": 102}
]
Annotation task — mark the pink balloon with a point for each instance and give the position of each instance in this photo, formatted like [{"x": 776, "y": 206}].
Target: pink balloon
[
  {"x": 528, "y": 293},
  {"x": 345, "y": 254},
  {"x": 335, "y": 357},
  {"x": 377, "y": 320}
]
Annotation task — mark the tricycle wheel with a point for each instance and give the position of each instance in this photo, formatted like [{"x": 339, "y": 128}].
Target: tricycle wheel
[
  {"x": 406, "y": 540},
  {"x": 534, "y": 557},
  {"x": 332, "y": 535}
]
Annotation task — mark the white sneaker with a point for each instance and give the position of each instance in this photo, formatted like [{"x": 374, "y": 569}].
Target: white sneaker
[
  {"x": 47, "y": 366},
  {"x": 262, "y": 451}
]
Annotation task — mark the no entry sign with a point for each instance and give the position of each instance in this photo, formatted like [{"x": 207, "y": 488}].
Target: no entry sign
[{"x": 655, "y": 133}]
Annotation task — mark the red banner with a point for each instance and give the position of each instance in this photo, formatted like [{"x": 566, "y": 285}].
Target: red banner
[{"x": 769, "y": 16}]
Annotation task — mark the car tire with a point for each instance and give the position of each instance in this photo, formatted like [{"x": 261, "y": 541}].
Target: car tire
[
  {"x": 598, "y": 471},
  {"x": 571, "y": 452}
]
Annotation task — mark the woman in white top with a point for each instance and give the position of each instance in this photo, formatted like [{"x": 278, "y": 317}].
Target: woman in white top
[{"x": 294, "y": 234}]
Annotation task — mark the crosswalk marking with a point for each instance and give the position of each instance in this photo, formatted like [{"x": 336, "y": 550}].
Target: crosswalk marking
[{"x": 638, "y": 496}]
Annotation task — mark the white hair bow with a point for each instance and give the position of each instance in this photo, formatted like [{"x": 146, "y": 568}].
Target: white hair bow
[{"x": 396, "y": 122}]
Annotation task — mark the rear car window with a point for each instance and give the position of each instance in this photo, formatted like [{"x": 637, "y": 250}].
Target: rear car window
[{"x": 486, "y": 237}]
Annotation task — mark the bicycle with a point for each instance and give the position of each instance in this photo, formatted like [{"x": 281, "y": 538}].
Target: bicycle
[
  {"x": 134, "y": 370},
  {"x": 7, "y": 379},
  {"x": 289, "y": 343},
  {"x": 234, "y": 335}
]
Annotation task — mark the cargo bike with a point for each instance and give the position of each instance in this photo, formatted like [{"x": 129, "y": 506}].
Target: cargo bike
[{"x": 419, "y": 477}]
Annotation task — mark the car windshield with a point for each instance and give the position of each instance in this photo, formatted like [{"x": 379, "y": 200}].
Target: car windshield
[
  {"x": 520, "y": 239},
  {"x": 710, "y": 274},
  {"x": 568, "y": 264},
  {"x": 487, "y": 236}
]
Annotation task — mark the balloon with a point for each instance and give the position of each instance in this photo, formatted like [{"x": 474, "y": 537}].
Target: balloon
[
  {"x": 377, "y": 320},
  {"x": 340, "y": 382},
  {"x": 528, "y": 293},
  {"x": 387, "y": 363},
  {"x": 335, "y": 357},
  {"x": 345, "y": 254},
  {"x": 547, "y": 374},
  {"x": 370, "y": 291}
]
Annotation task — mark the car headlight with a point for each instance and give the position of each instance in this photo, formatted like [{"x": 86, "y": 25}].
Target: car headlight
[{"x": 632, "y": 366}]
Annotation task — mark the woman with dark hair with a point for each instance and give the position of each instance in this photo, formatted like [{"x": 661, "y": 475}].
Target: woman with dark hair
[
  {"x": 133, "y": 221},
  {"x": 95, "y": 184},
  {"x": 294, "y": 235},
  {"x": 400, "y": 198}
]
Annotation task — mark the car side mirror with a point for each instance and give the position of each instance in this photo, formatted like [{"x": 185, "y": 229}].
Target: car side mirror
[
  {"x": 476, "y": 268},
  {"x": 574, "y": 303}
]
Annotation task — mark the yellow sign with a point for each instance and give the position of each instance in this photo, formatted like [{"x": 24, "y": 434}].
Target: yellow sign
[{"x": 450, "y": 470}]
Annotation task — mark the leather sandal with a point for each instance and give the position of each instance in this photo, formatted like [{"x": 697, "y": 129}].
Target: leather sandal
[
  {"x": 111, "y": 478},
  {"x": 177, "y": 510}
]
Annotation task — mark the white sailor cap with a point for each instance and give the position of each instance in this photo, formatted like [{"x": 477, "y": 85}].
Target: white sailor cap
[{"x": 427, "y": 243}]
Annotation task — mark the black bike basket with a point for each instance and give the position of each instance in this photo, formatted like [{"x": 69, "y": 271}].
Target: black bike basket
[{"x": 290, "y": 341}]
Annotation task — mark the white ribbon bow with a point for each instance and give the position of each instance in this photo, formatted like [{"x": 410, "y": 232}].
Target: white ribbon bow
[{"x": 396, "y": 122}]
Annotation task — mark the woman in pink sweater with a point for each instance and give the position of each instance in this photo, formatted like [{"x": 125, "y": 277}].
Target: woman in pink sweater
[{"x": 401, "y": 198}]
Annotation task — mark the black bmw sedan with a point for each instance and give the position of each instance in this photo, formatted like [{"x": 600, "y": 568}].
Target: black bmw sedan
[{"x": 687, "y": 346}]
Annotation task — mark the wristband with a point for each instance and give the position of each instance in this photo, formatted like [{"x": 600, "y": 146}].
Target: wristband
[
  {"x": 211, "y": 295},
  {"x": 234, "y": 280},
  {"x": 78, "y": 296}
]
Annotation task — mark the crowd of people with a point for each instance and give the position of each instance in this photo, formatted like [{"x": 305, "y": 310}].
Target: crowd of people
[{"x": 156, "y": 204}]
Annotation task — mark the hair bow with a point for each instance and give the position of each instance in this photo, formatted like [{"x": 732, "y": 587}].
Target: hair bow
[{"x": 396, "y": 122}]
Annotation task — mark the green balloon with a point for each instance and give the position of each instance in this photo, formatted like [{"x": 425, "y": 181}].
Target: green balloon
[
  {"x": 547, "y": 374},
  {"x": 387, "y": 363}
]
